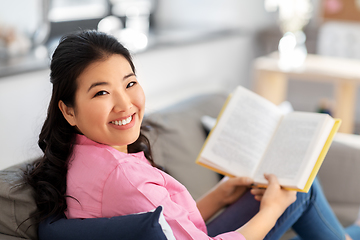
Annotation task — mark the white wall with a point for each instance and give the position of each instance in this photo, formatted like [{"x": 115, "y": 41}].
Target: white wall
[
  {"x": 20, "y": 14},
  {"x": 244, "y": 14},
  {"x": 23, "y": 103},
  {"x": 173, "y": 73}
]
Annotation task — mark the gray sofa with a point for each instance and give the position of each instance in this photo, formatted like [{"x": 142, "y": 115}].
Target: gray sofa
[{"x": 177, "y": 140}]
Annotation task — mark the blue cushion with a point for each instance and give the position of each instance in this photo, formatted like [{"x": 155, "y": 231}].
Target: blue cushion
[{"x": 134, "y": 226}]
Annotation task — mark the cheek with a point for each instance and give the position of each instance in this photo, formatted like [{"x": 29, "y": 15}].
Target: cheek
[
  {"x": 93, "y": 114},
  {"x": 140, "y": 100}
]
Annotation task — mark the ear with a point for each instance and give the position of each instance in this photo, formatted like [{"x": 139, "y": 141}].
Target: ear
[{"x": 68, "y": 113}]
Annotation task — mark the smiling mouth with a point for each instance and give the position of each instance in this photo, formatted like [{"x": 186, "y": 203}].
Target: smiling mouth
[{"x": 122, "y": 122}]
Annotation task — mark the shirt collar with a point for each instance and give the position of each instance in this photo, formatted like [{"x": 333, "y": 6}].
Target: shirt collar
[{"x": 83, "y": 140}]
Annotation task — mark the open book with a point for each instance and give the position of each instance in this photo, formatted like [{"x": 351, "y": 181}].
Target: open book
[{"x": 252, "y": 136}]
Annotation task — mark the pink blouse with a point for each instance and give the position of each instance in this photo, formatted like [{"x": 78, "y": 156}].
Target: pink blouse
[{"x": 110, "y": 183}]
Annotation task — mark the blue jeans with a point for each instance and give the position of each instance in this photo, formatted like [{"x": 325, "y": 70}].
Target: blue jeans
[{"x": 310, "y": 216}]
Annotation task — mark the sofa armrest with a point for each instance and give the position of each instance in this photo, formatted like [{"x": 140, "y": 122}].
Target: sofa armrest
[
  {"x": 340, "y": 176},
  {"x": 340, "y": 172},
  {"x": 8, "y": 237},
  {"x": 17, "y": 204}
]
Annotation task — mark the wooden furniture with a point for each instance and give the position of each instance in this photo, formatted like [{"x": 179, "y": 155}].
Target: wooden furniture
[
  {"x": 344, "y": 10},
  {"x": 271, "y": 81}
]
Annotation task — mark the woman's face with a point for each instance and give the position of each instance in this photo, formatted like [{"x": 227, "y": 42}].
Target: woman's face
[{"x": 109, "y": 103}]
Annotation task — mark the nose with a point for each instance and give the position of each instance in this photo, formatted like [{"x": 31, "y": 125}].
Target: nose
[{"x": 122, "y": 102}]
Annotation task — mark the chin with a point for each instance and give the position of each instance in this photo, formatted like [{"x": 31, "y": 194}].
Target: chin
[
  {"x": 131, "y": 142},
  {"x": 134, "y": 139}
]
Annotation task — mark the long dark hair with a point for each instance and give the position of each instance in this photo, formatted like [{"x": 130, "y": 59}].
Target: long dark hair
[{"x": 48, "y": 175}]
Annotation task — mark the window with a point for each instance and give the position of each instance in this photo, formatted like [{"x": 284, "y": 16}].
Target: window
[{"x": 72, "y": 10}]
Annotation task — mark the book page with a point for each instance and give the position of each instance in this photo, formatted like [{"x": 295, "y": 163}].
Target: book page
[
  {"x": 243, "y": 133},
  {"x": 293, "y": 146}
]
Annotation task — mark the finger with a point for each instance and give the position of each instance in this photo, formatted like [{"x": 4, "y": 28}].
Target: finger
[
  {"x": 243, "y": 181},
  {"x": 258, "y": 191},
  {"x": 273, "y": 181},
  {"x": 225, "y": 178},
  {"x": 271, "y": 178},
  {"x": 258, "y": 198}
]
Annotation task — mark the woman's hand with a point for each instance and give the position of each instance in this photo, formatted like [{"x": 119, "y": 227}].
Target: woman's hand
[
  {"x": 227, "y": 191},
  {"x": 273, "y": 202},
  {"x": 230, "y": 189},
  {"x": 274, "y": 197}
]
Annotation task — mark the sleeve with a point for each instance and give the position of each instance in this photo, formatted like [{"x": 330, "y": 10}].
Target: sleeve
[
  {"x": 136, "y": 187},
  {"x": 143, "y": 226}
]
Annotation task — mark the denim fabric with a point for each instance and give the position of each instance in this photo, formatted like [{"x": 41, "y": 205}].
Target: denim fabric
[
  {"x": 353, "y": 231},
  {"x": 310, "y": 216}
]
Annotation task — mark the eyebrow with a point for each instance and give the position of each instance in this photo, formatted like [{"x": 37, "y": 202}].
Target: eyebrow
[
  {"x": 106, "y": 83},
  {"x": 129, "y": 75},
  {"x": 97, "y": 84}
]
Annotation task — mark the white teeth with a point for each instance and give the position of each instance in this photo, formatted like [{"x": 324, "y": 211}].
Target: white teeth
[{"x": 123, "y": 122}]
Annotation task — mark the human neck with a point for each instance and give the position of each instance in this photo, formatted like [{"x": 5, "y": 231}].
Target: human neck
[{"x": 121, "y": 148}]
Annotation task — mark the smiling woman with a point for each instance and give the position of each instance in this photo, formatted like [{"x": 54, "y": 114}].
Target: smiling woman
[
  {"x": 109, "y": 104},
  {"x": 77, "y": 108}
]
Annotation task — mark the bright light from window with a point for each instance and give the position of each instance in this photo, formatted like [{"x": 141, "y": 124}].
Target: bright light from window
[
  {"x": 292, "y": 50},
  {"x": 69, "y": 10}
]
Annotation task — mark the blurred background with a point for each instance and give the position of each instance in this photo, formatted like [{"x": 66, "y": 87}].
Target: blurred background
[{"x": 181, "y": 48}]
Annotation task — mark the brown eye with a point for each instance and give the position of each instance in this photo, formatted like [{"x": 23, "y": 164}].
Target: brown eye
[
  {"x": 100, "y": 93},
  {"x": 130, "y": 84}
]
